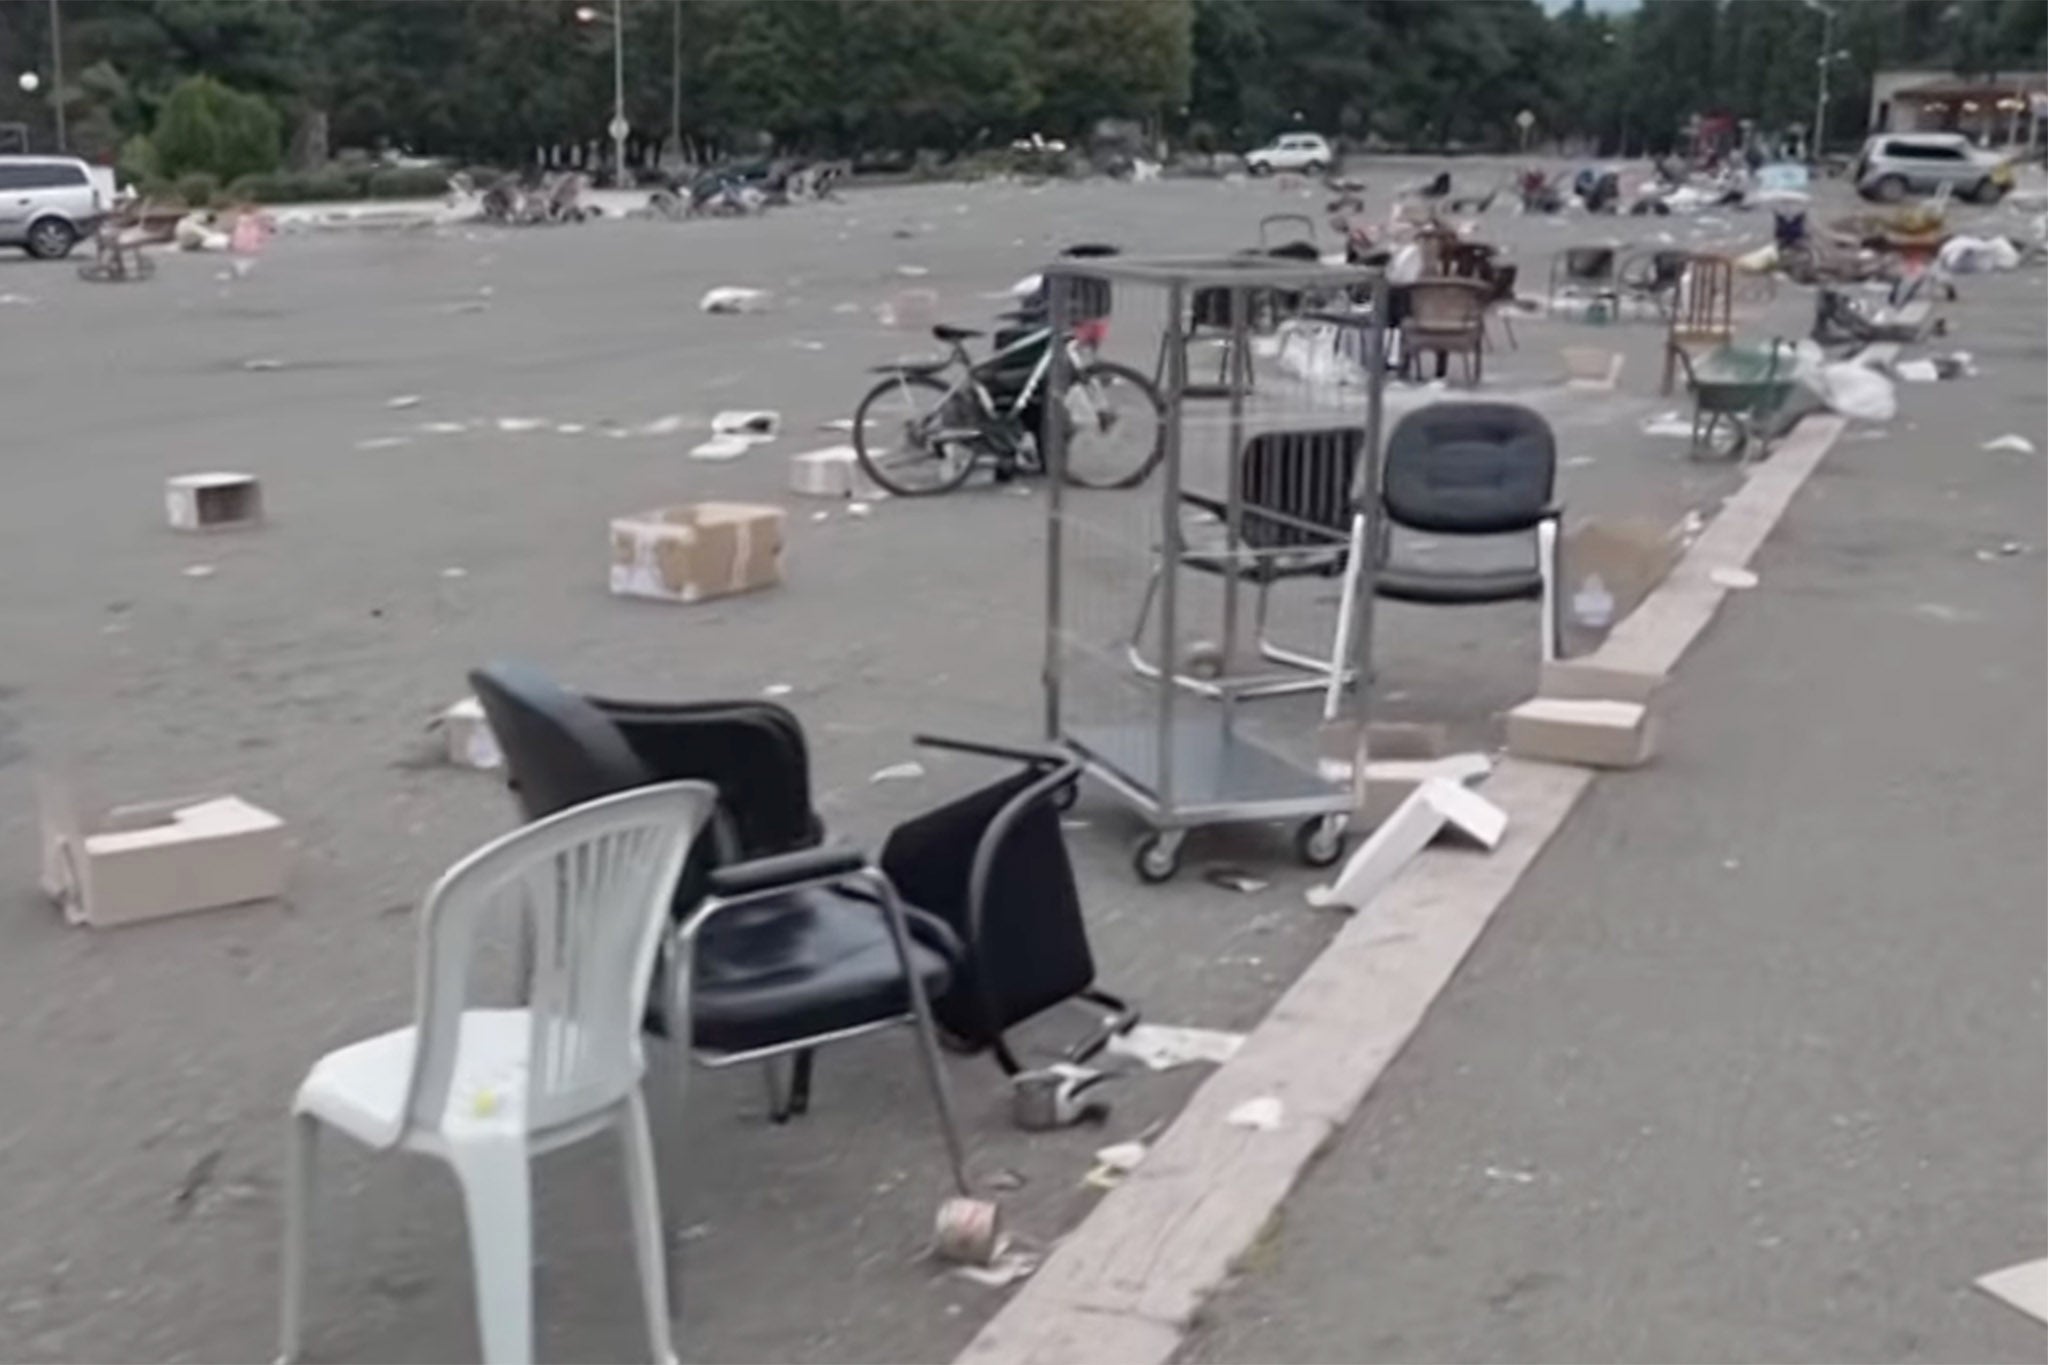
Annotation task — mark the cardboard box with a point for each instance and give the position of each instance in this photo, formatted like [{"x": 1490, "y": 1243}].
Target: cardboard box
[
  {"x": 213, "y": 502},
  {"x": 1597, "y": 734},
  {"x": 158, "y": 858},
  {"x": 833, "y": 472},
  {"x": 695, "y": 551},
  {"x": 1592, "y": 367},
  {"x": 1585, "y": 680},
  {"x": 1609, "y": 567}
]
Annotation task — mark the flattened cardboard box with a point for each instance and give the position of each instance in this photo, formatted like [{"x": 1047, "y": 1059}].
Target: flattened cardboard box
[
  {"x": 698, "y": 550},
  {"x": 1598, "y": 734}
]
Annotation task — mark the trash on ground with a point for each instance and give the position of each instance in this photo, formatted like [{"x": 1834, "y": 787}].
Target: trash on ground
[
  {"x": 859, "y": 509},
  {"x": 1264, "y": 1114},
  {"x": 753, "y": 425},
  {"x": 732, "y": 298},
  {"x": 667, "y": 425},
  {"x": 519, "y": 424},
  {"x": 468, "y": 736},
  {"x": 444, "y": 428},
  {"x": 721, "y": 448},
  {"x": 454, "y": 571},
  {"x": 1514, "y": 1176},
  {"x": 383, "y": 442},
  {"x": 215, "y": 501},
  {"x": 898, "y": 772},
  {"x": 1592, "y": 367},
  {"x": 2011, "y": 442},
  {"x": 968, "y": 1232},
  {"x": 1598, "y": 734},
  {"x": 694, "y": 551},
  {"x": 1917, "y": 371},
  {"x": 16, "y": 301},
  {"x": 1858, "y": 391},
  {"x": 1113, "y": 1163},
  {"x": 1403, "y": 834},
  {"x": 1966, "y": 255},
  {"x": 2023, "y": 1286},
  {"x": 403, "y": 401},
  {"x": 570, "y": 428},
  {"x": 834, "y": 472},
  {"x": 124, "y": 864},
  {"x": 2010, "y": 549},
  {"x": 912, "y": 272},
  {"x": 1668, "y": 424},
  {"x": 1609, "y": 566},
  {"x": 1234, "y": 879},
  {"x": 1009, "y": 1265},
  {"x": 263, "y": 363},
  {"x": 1162, "y": 1047},
  {"x": 1061, "y": 1095},
  {"x": 199, "y": 571},
  {"x": 1730, "y": 577},
  {"x": 912, "y": 310}
]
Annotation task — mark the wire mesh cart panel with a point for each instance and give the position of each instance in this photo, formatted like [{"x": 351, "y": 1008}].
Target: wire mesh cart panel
[{"x": 1260, "y": 502}]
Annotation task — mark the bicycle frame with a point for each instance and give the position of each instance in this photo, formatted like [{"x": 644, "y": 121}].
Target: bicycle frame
[{"x": 1081, "y": 344}]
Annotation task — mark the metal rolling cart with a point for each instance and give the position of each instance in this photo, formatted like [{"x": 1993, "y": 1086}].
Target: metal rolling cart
[{"x": 1150, "y": 682}]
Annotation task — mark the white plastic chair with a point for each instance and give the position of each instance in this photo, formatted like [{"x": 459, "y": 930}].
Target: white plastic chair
[{"x": 486, "y": 1090}]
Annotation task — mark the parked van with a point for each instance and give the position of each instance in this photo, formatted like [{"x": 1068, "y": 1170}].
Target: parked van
[{"x": 47, "y": 203}]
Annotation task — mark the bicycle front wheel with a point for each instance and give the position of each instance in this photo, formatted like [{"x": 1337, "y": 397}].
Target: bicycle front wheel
[
  {"x": 900, "y": 435},
  {"x": 1115, "y": 425}
]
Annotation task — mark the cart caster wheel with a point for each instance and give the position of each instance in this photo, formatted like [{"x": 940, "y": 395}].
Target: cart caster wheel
[
  {"x": 1065, "y": 795},
  {"x": 1157, "y": 857},
  {"x": 1320, "y": 842},
  {"x": 1204, "y": 660}
]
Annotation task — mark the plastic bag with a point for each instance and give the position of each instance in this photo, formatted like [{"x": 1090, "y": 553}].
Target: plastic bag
[{"x": 1855, "y": 391}]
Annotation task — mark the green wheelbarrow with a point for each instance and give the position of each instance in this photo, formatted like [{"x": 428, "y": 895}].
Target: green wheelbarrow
[{"x": 1740, "y": 397}]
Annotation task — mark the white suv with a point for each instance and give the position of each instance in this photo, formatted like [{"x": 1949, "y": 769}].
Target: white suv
[
  {"x": 1291, "y": 152},
  {"x": 47, "y": 203},
  {"x": 1894, "y": 165}
]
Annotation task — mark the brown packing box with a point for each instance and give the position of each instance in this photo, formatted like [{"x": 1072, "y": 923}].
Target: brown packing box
[
  {"x": 1597, "y": 734},
  {"x": 698, "y": 550},
  {"x": 158, "y": 858},
  {"x": 1629, "y": 557}
]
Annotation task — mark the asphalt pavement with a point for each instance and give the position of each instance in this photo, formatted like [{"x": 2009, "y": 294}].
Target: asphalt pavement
[{"x": 1753, "y": 1066}]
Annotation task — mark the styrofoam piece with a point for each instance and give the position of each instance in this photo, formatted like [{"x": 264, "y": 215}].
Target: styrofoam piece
[
  {"x": 834, "y": 472},
  {"x": 1398, "y": 839},
  {"x": 159, "y": 858},
  {"x": 721, "y": 448},
  {"x": 471, "y": 743},
  {"x": 1162, "y": 1047},
  {"x": 2024, "y": 1286},
  {"x": 1598, "y": 734},
  {"x": 1389, "y": 782},
  {"x": 214, "y": 501},
  {"x": 732, "y": 298},
  {"x": 754, "y": 424}
]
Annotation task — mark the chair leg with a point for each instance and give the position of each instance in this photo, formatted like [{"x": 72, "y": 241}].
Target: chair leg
[
  {"x": 302, "y": 1146},
  {"x": 1546, "y": 568},
  {"x": 643, "y": 1194},
  {"x": 1670, "y": 369},
  {"x": 926, "y": 1029},
  {"x": 498, "y": 1199},
  {"x": 786, "y": 1103}
]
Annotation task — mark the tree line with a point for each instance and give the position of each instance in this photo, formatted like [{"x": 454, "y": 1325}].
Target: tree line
[{"x": 491, "y": 81}]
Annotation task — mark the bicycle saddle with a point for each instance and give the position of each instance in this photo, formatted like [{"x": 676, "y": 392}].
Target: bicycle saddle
[{"x": 945, "y": 332}]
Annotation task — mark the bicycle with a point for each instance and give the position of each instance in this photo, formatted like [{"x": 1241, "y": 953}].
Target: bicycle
[{"x": 918, "y": 432}]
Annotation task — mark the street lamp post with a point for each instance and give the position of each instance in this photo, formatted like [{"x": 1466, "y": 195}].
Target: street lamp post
[
  {"x": 586, "y": 14},
  {"x": 1820, "y": 99},
  {"x": 57, "y": 72}
]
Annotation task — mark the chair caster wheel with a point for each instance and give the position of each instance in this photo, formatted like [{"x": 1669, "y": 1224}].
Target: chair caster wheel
[
  {"x": 1320, "y": 842},
  {"x": 1065, "y": 795},
  {"x": 1157, "y": 857},
  {"x": 1204, "y": 660}
]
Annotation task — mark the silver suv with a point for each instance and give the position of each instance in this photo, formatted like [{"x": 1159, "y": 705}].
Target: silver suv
[
  {"x": 47, "y": 203},
  {"x": 1894, "y": 165}
]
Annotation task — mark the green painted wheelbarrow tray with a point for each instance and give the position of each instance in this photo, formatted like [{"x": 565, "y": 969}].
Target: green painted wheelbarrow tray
[{"x": 1743, "y": 399}]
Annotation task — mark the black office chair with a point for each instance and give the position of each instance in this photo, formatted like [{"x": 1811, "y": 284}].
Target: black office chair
[
  {"x": 1473, "y": 469},
  {"x": 771, "y": 956}
]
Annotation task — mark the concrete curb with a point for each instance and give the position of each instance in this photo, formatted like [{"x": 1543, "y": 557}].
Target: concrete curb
[{"x": 1126, "y": 1285}]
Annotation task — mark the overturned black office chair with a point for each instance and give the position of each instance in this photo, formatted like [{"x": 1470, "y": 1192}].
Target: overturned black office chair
[{"x": 1473, "y": 469}]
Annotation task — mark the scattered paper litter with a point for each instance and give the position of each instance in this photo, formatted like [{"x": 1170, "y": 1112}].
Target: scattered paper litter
[
  {"x": 777, "y": 690},
  {"x": 383, "y": 442},
  {"x": 570, "y": 429},
  {"x": 1667, "y": 424},
  {"x": 912, "y": 272},
  {"x": 821, "y": 516},
  {"x": 898, "y": 772},
  {"x": 759, "y": 424},
  {"x": 402, "y": 401},
  {"x": 1729, "y": 577},
  {"x": 846, "y": 307},
  {"x": 1517, "y": 1177},
  {"x": 1234, "y": 879},
  {"x": 2005, "y": 550},
  {"x": 1917, "y": 371},
  {"x": 444, "y": 428},
  {"x": 806, "y": 344},
  {"x": 858, "y": 509},
  {"x": 1162, "y": 1047},
  {"x": 16, "y": 300},
  {"x": 663, "y": 426},
  {"x": 516, "y": 424},
  {"x": 2024, "y": 1286},
  {"x": 843, "y": 424},
  {"x": 472, "y": 306},
  {"x": 199, "y": 571},
  {"x": 1262, "y": 1114},
  {"x": 721, "y": 448},
  {"x": 1010, "y": 1264},
  {"x": 732, "y": 298},
  {"x": 263, "y": 363},
  {"x": 2011, "y": 441},
  {"x": 1581, "y": 461},
  {"x": 1113, "y": 1163},
  {"x": 454, "y": 571}
]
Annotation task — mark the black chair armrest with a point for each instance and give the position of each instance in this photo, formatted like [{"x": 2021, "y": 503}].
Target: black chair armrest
[{"x": 785, "y": 869}]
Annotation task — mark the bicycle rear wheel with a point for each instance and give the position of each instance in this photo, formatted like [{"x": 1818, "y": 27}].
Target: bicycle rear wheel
[
  {"x": 900, "y": 435},
  {"x": 1116, "y": 427}
]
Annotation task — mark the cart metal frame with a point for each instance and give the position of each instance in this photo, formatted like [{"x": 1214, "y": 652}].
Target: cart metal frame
[{"x": 1195, "y": 768}]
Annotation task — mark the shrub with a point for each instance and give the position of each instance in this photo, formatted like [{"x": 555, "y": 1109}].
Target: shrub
[
  {"x": 138, "y": 163},
  {"x": 206, "y": 126},
  {"x": 407, "y": 182},
  {"x": 198, "y": 189},
  {"x": 296, "y": 187}
]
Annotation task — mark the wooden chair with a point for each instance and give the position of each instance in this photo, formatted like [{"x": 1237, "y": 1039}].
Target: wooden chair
[
  {"x": 1702, "y": 313},
  {"x": 1447, "y": 316},
  {"x": 1481, "y": 261}
]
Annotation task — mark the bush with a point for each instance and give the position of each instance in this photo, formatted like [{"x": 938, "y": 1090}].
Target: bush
[
  {"x": 138, "y": 163},
  {"x": 407, "y": 182},
  {"x": 198, "y": 189},
  {"x": 297, "y": 187},
  {"x": 205, "y": 126}
]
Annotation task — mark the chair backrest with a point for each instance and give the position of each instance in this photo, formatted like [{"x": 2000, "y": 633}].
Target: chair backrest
[
  {"x": 594, "y": 883},
  {"x": 1706, "y": 296},
  {"x": 1469, "y": 469},
  {"x": 560, "y": 750},
  {"x": 1446, "y": 305},
  {"x": 752, "y": 750},
  {"x": 1296, "y": 487}
]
